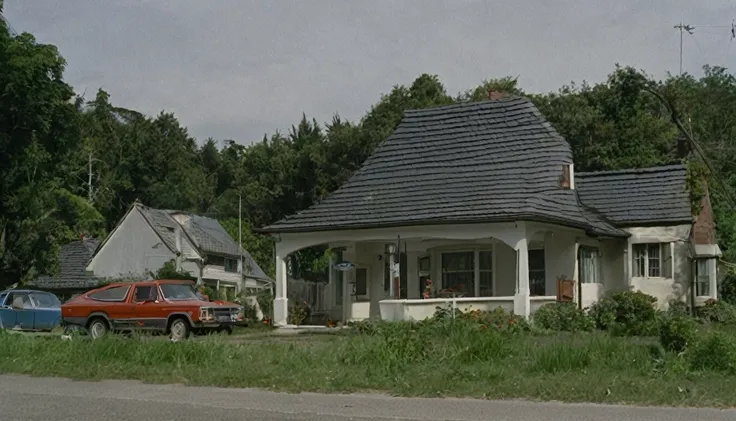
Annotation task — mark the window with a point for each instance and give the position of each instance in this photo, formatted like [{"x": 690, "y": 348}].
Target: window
[
  {"x": 179, "y": 292},
  {"x": 44, "y": 300},
  {"x": 143, "y": 293},
  {"x": 589, "y": 266},
  {"x": 537, "y": 276},
  {"x": 111, "y": 294},
  {"x": 424, "y": 264},
  {"x": 485, "y": 266},
  {"x": 2, "y": 298},
  {"x": 458, "y": 272},
  {"x": 647, "y": 260},
  {"x": 231, "y": 265},
  {"x": 216, "y": 260},
  {"x": 17, "y": 300},
  {"x": 702, "y": 281},
  {"x": 361, "y": 282}
]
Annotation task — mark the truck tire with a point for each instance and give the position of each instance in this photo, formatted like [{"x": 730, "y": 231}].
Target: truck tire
[{"x": 179, "y": 329}]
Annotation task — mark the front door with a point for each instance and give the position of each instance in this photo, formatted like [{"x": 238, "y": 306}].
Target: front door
[
  {"x": 149, "y": 310},
  {"x": 21, "y": 309}
]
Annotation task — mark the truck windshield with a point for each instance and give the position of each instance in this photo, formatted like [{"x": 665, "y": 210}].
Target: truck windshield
[{"x": 178, "y": 292}]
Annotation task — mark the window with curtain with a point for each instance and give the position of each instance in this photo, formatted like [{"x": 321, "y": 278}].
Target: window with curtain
[
  {"x": 458, "y": 272},
  {"x": 647, "y": 260},
  {"x": 590, "y": 267},
  {"x": 485, "y": 266},
  {"x": 702, "y": 282}
]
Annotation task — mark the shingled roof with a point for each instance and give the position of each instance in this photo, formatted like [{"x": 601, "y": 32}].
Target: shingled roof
[
  {"x": 490, "y": 161},
  {"x": 645, "y": 196},
  {"x": 73, "y": 261}
]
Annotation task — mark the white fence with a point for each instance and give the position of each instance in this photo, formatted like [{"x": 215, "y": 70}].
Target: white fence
[{"x": 315, "y": 294}]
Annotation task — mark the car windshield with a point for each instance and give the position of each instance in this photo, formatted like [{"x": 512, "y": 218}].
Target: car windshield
[{"x": 178, "y": 292}]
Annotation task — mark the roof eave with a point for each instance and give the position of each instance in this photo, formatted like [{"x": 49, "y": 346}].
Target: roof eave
[
  {"x": 531, "y": 218},
  {"x": 653, "y": 223}
]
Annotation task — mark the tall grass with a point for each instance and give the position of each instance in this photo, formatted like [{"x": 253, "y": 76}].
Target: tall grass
[{"x": 454, "y": 358}]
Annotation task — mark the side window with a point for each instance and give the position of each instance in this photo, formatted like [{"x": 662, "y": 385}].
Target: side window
[
  {"x": 45, "y": 300},
  {"x": 18, "y": 301},
  {"x": 2, "y": 298},
  {"x": 111, "y": 294},
  {"x": 143, "y": 293}
]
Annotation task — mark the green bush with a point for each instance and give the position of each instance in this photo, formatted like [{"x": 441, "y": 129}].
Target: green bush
[
  {"x": 626, "y": 313},
  {"x": 677, "y": 308},
  {"x": 563, "y": 317},
  {"x": 677, "y": 332},
  {"x": 718, "y": 312},
  {"x": 716, "y": 351},
  {"x": 497, "y": 319},
  {"x": 727, "y": 288}
]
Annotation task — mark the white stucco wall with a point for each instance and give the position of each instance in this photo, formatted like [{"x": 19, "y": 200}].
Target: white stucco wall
[
  {"x": 677, "y": 286},
  {"x": 133, "y": 250}
]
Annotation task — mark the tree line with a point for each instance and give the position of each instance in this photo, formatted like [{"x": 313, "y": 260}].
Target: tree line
[{"x": 50, "y": 137}]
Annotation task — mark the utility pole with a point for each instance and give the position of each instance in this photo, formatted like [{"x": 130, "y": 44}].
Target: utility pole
[
  {"x": 240, "y": 233},
  {"x": 90, "y": 188},
  {"x": 682, "y": 27}
]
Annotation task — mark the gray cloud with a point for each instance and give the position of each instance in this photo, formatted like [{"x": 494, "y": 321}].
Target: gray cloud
[{"x": 236, "y": 69}]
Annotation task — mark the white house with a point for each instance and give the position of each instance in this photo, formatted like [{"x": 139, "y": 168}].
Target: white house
[
  {"x": 482, "y": 198},
  {"x": 146, "y": 239}
]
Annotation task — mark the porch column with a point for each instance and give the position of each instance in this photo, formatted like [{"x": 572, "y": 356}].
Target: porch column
[
  {"x": 522, "y": 305},
  {"x": 280, "y": 302}
]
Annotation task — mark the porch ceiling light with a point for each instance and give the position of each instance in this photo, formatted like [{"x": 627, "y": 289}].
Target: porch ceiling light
[{"x": 344, "y": 266}]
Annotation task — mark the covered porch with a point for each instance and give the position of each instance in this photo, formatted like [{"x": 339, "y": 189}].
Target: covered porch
[{"x": 515, "y": 266}]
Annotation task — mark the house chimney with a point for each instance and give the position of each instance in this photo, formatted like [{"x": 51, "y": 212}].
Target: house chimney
[
  {"x": 494, "y": 95},
  {"x": 567, "y": 179}
]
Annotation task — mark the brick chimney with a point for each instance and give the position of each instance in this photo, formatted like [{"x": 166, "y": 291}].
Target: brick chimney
[
  {"x": 704, "y": 227},
  {"x": 493, "y": 95}
]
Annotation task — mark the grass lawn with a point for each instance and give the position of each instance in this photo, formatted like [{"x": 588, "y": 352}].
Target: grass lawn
[{"x": 405, "y": 360}]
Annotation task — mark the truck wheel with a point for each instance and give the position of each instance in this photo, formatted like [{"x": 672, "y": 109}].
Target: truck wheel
[
  {"x": 98, "y": 328},
  {"x": 179, "y": 330}
]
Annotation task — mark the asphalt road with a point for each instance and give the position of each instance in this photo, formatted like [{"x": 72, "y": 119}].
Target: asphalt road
[{"x": 46, "y": 399}]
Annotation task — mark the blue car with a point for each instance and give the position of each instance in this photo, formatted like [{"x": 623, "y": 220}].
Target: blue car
[{"x": 29, "y": 310}]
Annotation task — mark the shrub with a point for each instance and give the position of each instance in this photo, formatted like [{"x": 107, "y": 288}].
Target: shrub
[
  {"x": 727, "y": 288},
  {"x": 677, "y": 332},
  {"x": 718, "y": 312},
  {"x": 716, "y": 351},
  {"x": 563, "y": 317},
  {"x": 498, "y": 319},
  {"x": 298, "y": 312},
  {"x": 626, "y": 313},
  {"x": 677, "y": 308}
]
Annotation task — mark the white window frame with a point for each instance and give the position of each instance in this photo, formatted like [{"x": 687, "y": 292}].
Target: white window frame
[
  {"x": 648, "y": 258},
  {"x": 476, "y": 265},
  {"x": 595, "y": 254},
  {"x": 702, "y": 271}
]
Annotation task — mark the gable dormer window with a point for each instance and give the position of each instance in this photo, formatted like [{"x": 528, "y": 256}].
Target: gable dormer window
[{"x": 567, "y": 178}]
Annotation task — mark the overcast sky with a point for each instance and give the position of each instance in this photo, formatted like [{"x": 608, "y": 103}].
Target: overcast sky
[{"x": 236, "y": 69}]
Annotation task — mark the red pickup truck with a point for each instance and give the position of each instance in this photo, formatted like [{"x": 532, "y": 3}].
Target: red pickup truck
[{"x": 163, "y": 306}]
